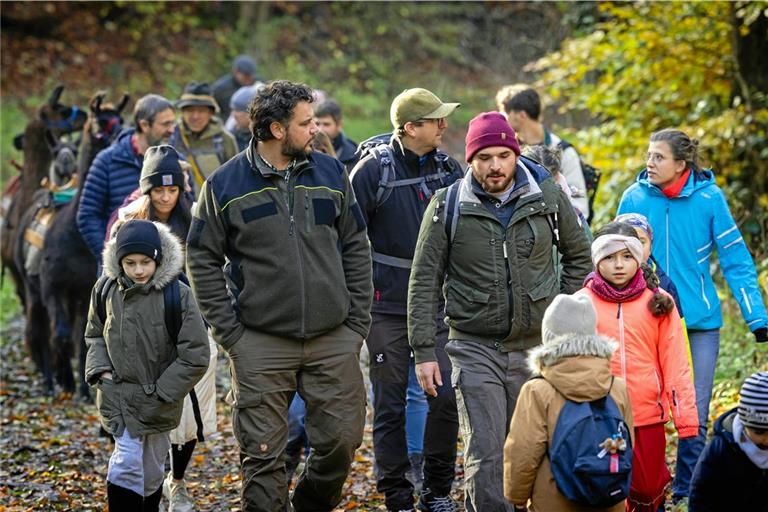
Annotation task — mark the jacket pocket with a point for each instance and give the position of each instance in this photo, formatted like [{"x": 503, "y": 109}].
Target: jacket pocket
[
  {"x": 467, "y": 307},
  {"x": 539, "y": 297},
  {"x": 107, "y": 400},
  {"x": 152, "y": 412},
  {"x": 704, "y": 292}
]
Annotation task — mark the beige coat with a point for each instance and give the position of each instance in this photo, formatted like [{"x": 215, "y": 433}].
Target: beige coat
[{"x": 580, "y": 369}]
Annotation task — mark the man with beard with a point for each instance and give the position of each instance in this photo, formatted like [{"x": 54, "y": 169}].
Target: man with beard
[
  {"x": 115, "y": 171},
  {"x": 489, "y": 238},
  {"x": 291, "y": 307},
  {"x": 393, "y": 214}
]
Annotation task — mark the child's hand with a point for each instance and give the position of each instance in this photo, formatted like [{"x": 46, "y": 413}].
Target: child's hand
[{"x": 106, "y": 375}]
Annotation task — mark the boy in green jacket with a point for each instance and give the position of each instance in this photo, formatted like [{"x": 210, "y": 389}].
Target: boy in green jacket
[{"x": 141, "y": 375}]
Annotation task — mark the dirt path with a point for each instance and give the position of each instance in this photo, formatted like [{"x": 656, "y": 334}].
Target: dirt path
[{"x": 53, "y": 458}]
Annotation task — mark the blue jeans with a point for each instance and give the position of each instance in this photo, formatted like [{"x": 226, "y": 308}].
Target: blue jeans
[
  {"x": 416, "y": 409},
  {"x": 705, "y": 346},
  {"x": 297, "y": 436}
]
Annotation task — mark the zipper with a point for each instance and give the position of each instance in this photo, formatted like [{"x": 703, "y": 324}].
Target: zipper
[
  {"x": 674, "y": 402},
  {"x": 666, "y": 228},
  {"x": 658, "y": 393},
  {"x": 291, "y": 229},
  {"x": 704, "y": 295},
  {"x": 289, "y": 202},
  {"x": 621, "y": 342}
]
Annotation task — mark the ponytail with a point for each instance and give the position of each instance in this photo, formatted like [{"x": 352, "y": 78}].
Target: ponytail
[{"x": 660, "y": 304}]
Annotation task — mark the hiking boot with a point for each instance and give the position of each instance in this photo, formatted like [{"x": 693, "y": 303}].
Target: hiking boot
[
  {"x": 177, "y": 495},
  {"x": 431, "y": 502},
  {"x": 415, "y": 473}
]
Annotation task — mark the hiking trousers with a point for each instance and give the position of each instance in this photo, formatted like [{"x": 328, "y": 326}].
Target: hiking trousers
[
  {"x": 266, "y": 372},
  {"x": 487, "y": 383},
  {"x": 390, "y": 366}
]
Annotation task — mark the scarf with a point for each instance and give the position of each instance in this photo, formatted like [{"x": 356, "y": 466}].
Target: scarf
[
  {"x": 674, "y": 189},
  {"x": 758, "y": 457},
  {"x": 606, "y": 291}
]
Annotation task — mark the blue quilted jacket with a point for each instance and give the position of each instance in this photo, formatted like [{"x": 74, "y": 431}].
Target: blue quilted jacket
[{"x": 113, "y": 175}]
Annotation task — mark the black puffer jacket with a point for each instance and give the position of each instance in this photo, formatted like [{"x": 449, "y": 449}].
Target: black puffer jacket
[{"x": 725, "y": 478}]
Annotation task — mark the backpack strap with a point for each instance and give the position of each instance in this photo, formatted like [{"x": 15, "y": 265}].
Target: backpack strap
[
  {"x": 102, "y": 286},
  {"x": 383, "y": 156},
  {"x": 452, "y": 210},
  {"x": 218, "y": 145}
]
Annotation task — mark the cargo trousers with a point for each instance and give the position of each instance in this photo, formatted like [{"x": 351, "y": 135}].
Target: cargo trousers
[
  {"x": 487, "y": 383},
  {"x": 266, "y": 372}
]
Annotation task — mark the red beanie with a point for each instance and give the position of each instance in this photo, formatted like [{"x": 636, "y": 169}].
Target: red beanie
[{"x": 490, "y": 129}]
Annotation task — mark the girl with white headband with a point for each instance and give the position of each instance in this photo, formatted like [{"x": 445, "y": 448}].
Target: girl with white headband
[{"x": 652, "y": 355}]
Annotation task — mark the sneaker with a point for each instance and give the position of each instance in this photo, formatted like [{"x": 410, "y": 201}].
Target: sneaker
[
  {"x": 177, "y": 495},
  {"x": 415, "y": 473},
  {"x": 431, "y": 502}
]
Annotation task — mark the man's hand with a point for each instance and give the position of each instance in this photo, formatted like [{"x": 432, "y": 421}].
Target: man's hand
[
  {"x": 106, "y": 375},
  {"x": 428, "y": 375}
]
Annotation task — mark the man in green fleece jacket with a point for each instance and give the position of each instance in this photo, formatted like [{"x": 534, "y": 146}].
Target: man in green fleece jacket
[
  {"x": 292, "y": 305},
  {"x": 489, "y": 238}
]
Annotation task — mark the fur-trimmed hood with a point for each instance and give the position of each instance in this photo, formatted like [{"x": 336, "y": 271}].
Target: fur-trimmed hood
[
  {"x": 169, "y": 267},
  {"x": 577, "y": 366}
]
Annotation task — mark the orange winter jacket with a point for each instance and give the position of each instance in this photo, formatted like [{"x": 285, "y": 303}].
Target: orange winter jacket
[{"x": 652, "y": 358}]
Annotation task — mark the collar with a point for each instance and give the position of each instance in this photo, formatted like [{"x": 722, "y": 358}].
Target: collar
[
  {"x": 758, "y": 457},
  {"x": 263, "y": 166},
  {"x": 135, "y": 145},
  {"x": 673, "y": 190},
  {"x": 520, "y": 187}
]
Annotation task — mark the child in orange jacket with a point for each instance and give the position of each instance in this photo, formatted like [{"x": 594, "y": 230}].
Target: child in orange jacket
[{"x": 652, "y": 355}]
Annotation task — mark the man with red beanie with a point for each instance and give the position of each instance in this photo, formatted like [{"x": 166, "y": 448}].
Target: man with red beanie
[{"x": 488, "y": 242}]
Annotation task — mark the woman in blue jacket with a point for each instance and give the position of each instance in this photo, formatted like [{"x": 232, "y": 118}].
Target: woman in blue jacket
[{"x": 691, "y": 219}]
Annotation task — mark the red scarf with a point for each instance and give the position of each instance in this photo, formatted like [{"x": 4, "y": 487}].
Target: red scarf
[
  {"x": 607, "y": 291},
  {"x": 674, "y": 189}
]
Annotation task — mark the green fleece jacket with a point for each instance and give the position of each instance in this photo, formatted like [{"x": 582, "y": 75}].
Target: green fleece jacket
[
  {"x": 294, "y": 242},
  {"x": 497, "y": 282}
]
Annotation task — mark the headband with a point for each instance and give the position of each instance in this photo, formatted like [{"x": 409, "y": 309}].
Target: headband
[{"x": 605, "y": 245}]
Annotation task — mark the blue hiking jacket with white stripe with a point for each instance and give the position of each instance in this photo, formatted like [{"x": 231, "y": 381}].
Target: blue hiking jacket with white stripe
[{"x": 686, "y": 231}]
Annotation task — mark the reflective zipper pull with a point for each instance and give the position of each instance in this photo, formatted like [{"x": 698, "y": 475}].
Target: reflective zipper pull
[
  {"x": 504, "y": 248},
  {"x": 290, "y": 228}
]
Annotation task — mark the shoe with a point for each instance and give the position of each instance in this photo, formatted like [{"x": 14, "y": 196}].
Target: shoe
[
  {"x": 415, "y": 473},
  {"x": 177, "y": 495},
  {"x": 431, "y": 502}
]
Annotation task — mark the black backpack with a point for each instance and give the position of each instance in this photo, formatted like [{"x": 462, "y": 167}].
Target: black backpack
[
  {"x": 591, "y": 177},
  {"x": 173, "y": 321},
  {"x": 378, "y": 146}
]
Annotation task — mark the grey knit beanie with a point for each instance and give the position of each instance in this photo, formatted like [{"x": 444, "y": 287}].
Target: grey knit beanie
[
  {"x": 753, "y": 404},
  {"x": 568, "y": 315}
]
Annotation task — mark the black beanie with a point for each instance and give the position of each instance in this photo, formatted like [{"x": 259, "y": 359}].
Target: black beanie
[
  {"x": 139, "y": 236},
  {"x": 161, "y": 168}
]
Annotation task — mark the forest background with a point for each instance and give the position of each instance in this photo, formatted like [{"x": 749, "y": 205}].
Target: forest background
[{"x": 609, "y": 73}]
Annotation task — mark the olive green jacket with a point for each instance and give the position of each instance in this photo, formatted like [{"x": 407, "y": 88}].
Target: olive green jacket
[
  {"x": 497, "y": 282},
  {"x": 150, "y": 375},
  {"x": 205, "y": 151}
]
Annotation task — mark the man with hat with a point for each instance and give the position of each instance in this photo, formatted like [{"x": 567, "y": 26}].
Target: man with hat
[
  {"x": 393, "y": 185},
  {"x": 239, "y": 122},
  {"x": 488, "y": 241},
  {"x": 243, "y": 73},
  {"x": 200, "y": 137}
]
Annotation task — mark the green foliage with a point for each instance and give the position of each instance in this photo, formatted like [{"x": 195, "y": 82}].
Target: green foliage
[
  {"x": 12, "y": 122},
  {"x": 651, "y": 65}
]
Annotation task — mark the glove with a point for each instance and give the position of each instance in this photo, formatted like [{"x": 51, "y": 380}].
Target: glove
[{"x": 761, "y": 334}]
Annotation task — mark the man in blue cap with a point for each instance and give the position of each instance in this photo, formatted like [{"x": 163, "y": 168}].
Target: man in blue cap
[{"x": 243, "y": 73}]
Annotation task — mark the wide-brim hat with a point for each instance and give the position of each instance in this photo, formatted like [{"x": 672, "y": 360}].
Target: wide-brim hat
[{"x": 197, "y": 94}]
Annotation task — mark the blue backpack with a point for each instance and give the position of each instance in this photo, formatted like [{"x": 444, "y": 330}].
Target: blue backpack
[{"x": 588, "y": 463}]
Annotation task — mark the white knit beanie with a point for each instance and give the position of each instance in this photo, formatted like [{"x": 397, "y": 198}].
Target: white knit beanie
[{"x": 568, "y": 315}]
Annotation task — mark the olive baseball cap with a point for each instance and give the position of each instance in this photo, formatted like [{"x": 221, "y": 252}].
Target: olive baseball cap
[{"x": 414, "y": 104}]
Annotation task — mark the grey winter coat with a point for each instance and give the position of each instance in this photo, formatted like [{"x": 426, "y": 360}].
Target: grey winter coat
[{"x": 150, "y": 375}]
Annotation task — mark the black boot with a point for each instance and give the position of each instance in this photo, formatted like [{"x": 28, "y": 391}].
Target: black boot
[{"x": 121, "y": 499}]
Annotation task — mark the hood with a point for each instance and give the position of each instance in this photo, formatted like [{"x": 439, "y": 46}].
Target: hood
[
  {"x": 168, "y": 269},
  {"x": 578, "y": 366},
  {"x": 698, "y": 180},
  {"x": 724, "y": 425}
]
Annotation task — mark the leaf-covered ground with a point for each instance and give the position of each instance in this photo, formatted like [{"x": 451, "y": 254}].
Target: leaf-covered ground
[{"x": 54, "y": 459}]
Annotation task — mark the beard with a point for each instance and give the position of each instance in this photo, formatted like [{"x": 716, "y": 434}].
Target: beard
[
  {"x": 497, "y": 187},
  {"x": 156, "y": 141},
  {"x": 292, "y": 150}
]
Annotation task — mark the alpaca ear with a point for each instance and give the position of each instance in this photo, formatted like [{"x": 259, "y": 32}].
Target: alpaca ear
[
  {"x": 18, "y": 142},
  {"x": 123, "y": 103},
  {"x": 96, "y": 101},
  {"x": 53, "y": 100},
  {"x": 50, "y": 140}
]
